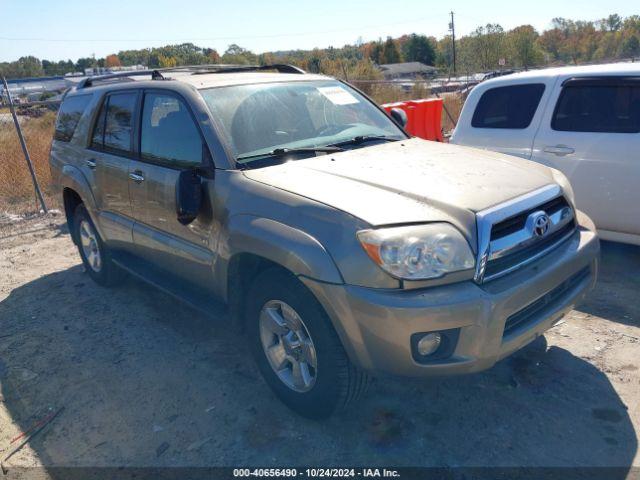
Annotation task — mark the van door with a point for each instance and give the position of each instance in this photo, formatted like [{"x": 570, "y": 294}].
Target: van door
[
  {"x": 503, "y": 118},
  {"x": 109, "y": 156},
  {"x": 170, "y": 142},
  {"x": 592, "y": 135}
]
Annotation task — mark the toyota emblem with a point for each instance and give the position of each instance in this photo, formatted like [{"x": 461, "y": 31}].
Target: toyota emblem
[{"x": 539, "y": 223}]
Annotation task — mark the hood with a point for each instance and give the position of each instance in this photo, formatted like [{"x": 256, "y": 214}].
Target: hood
[{"x": 409, "y": 181}]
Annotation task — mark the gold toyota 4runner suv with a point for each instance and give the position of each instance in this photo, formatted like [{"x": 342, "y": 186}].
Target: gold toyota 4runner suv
[{"x": 338, "y": 244}]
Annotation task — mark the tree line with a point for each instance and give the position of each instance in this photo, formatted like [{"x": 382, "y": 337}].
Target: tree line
[{"x": 487, "y": 48}]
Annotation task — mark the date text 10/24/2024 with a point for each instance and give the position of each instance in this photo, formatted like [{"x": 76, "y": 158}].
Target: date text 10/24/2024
[{"x": 316, "y": 472}]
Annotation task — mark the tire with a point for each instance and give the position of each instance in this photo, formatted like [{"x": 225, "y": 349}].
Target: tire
[
  {"x": 95, "y": 255},
  {"x": 336, "y": 382}
]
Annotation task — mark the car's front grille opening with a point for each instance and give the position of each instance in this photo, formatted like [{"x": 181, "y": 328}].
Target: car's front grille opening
[
  {"x": 495, "y": 267},
  {"x": 517, "y": 222},
  {"x": 531, "y": 312},
  {"x": 515, "y": 243}
]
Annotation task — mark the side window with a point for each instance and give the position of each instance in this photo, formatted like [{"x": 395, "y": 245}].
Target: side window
[
  {"x": 511, "y": 107},
  {"x": 97, "y": 139},
  {"x": 118, "y": 125},
  {"x": 69, "y": 115},
  {"x": 598, "y": 107},
  {"x": 168, "y": 134}
]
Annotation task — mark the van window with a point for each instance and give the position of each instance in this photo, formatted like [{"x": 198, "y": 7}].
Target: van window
[
  {"x": 508, "y": 107},
  {"x": 69, "y": 115},
  {"x": 114, "y": 126},
  {"x": 168, "y": 133},
  {"x": 598, "y": 107}
]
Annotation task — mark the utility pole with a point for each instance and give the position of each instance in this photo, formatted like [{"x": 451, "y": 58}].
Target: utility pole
[{"x": 452, "y": 27}]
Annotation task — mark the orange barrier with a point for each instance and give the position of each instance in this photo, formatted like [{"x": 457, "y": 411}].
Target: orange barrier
[{"x": 424, "y": 117}]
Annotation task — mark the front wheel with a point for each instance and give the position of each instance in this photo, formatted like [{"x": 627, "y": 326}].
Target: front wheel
[{"x": 296, "y": 348}]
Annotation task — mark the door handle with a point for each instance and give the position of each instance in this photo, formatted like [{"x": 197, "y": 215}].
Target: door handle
[
  {"x": 136, "y": 176},
  {"x": 559, "y": 150},
  {"x": 91, "y": 163}
]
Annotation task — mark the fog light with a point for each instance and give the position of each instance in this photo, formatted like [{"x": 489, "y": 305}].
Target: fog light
[{"x": 429, "y": 343}]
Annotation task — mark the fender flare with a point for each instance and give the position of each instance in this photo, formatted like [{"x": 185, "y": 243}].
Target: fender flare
[
  {"x": 72, "y": 177},
  {"x": 289, "y": 247}
]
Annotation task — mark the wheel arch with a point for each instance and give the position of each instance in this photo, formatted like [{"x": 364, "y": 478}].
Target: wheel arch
[
  {"x": 76, "y": 190},
  {"x": 257, "y": 243}
]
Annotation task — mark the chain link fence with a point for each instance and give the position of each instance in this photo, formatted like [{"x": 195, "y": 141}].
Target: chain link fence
[{"x": 34, "y": 121}]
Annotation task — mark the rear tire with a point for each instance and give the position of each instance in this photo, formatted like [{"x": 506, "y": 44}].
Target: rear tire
[
  {"x": 95, "y": 255},
  {"x": 285, "y": 319}
]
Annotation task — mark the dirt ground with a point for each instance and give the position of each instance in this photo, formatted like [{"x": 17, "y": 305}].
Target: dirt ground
[{"x": 145, "y": 381}]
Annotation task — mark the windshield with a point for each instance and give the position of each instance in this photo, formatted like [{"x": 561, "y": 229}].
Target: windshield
[{"x": 260, "y": 118}]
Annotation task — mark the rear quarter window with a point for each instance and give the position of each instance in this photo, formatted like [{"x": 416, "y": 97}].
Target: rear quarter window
[
  {"x": 598, "y": 107},
  {"x": 69, "y": 115},
  {"x": 510, "y": 107}
]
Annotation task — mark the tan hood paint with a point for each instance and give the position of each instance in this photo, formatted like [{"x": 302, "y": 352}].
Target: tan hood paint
[{"x": 409, "y": 181}]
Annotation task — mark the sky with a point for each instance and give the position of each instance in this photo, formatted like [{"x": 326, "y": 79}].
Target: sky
[{"x": 69, "y": 29}]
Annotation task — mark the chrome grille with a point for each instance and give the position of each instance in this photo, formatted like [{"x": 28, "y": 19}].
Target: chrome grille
[{"x": 509, "y": 237}]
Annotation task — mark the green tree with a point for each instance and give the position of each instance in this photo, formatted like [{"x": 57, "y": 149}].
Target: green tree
[
  {"x": 444, "y": 52},
  {"x": 418, "y": 48},
  {"x": 612, "y": 23},
  {"x": 86, "y": 62},
  {"x": 375, "y": 52},
  {"x": 390, "y": 52},
  {"x": 630, "y": 47},
  {"x": 24, "y": 67},
  {"x": 235, "y": 54},
  {"x": 483, "y": 48},
  {"x": 524, "y": 48}
]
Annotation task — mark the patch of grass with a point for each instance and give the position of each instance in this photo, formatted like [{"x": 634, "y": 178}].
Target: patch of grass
[{"x": 17, "y": 194}]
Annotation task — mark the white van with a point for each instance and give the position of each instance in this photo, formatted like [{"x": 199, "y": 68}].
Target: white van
[{"x": 584, "y": 121}]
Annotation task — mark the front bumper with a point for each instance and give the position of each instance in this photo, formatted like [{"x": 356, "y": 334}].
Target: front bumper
[{"x": 376, "y": 325}]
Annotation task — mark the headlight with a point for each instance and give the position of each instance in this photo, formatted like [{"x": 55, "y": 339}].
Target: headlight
[
  {"x": 418, "y": 252},
  {"x": 562, "y": 180}
]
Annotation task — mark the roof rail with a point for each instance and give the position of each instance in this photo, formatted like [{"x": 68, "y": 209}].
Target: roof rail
[
  {"x": 279, "y": 67},
  {"x": 89, "y": 81},
  {"x": 194, "y": 69}
]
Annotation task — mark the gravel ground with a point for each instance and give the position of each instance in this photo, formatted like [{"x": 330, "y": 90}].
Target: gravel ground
[{"x": 145, "y": 381}]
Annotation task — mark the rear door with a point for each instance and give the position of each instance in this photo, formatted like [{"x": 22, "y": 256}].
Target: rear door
[
  {"x": 109, "y": 156},
  {"x": 504, "y": 117},
  {"x": 170, "y": 142},
  {"x": 591, "y": 132}
]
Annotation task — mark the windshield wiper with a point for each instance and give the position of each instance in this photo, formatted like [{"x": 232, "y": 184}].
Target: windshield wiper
[
  {"x": 359, "y": 140},
  {"x": 281, "y": 152}
]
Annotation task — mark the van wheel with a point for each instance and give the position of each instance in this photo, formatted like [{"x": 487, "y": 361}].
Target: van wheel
[
  {"x": 296, "y": 348},
  {"x": 95, "y": 255}
]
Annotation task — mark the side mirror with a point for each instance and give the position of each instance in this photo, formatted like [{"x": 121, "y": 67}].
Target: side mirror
[
  {"x": 399, "y": 115},
  {"x": 188, "y": 196}
]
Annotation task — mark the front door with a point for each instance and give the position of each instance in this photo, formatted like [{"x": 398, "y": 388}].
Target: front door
[
  {"x": 593, "y": 136},
  {"x": 170, "y": 142}
]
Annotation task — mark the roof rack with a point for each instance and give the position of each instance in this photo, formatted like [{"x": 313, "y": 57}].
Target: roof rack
[
  {"x": 89, "y": 81},
  {"x": 278, "y": 67},
  {"x": 193, "y": 69}
]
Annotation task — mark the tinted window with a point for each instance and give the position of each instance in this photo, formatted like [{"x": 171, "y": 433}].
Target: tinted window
[
  {"x": 598, "y": 108},
  {"x": 119, "y": 121},
  {"x": 97, "y": 140},
  {"x": 168, "y": 133},
  {"x": 69, "y": 115},
  {"x": 508, "y": 107}
]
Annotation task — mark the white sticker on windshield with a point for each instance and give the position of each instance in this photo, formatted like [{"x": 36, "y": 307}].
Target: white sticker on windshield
[{"x": 338, "y": 95}]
